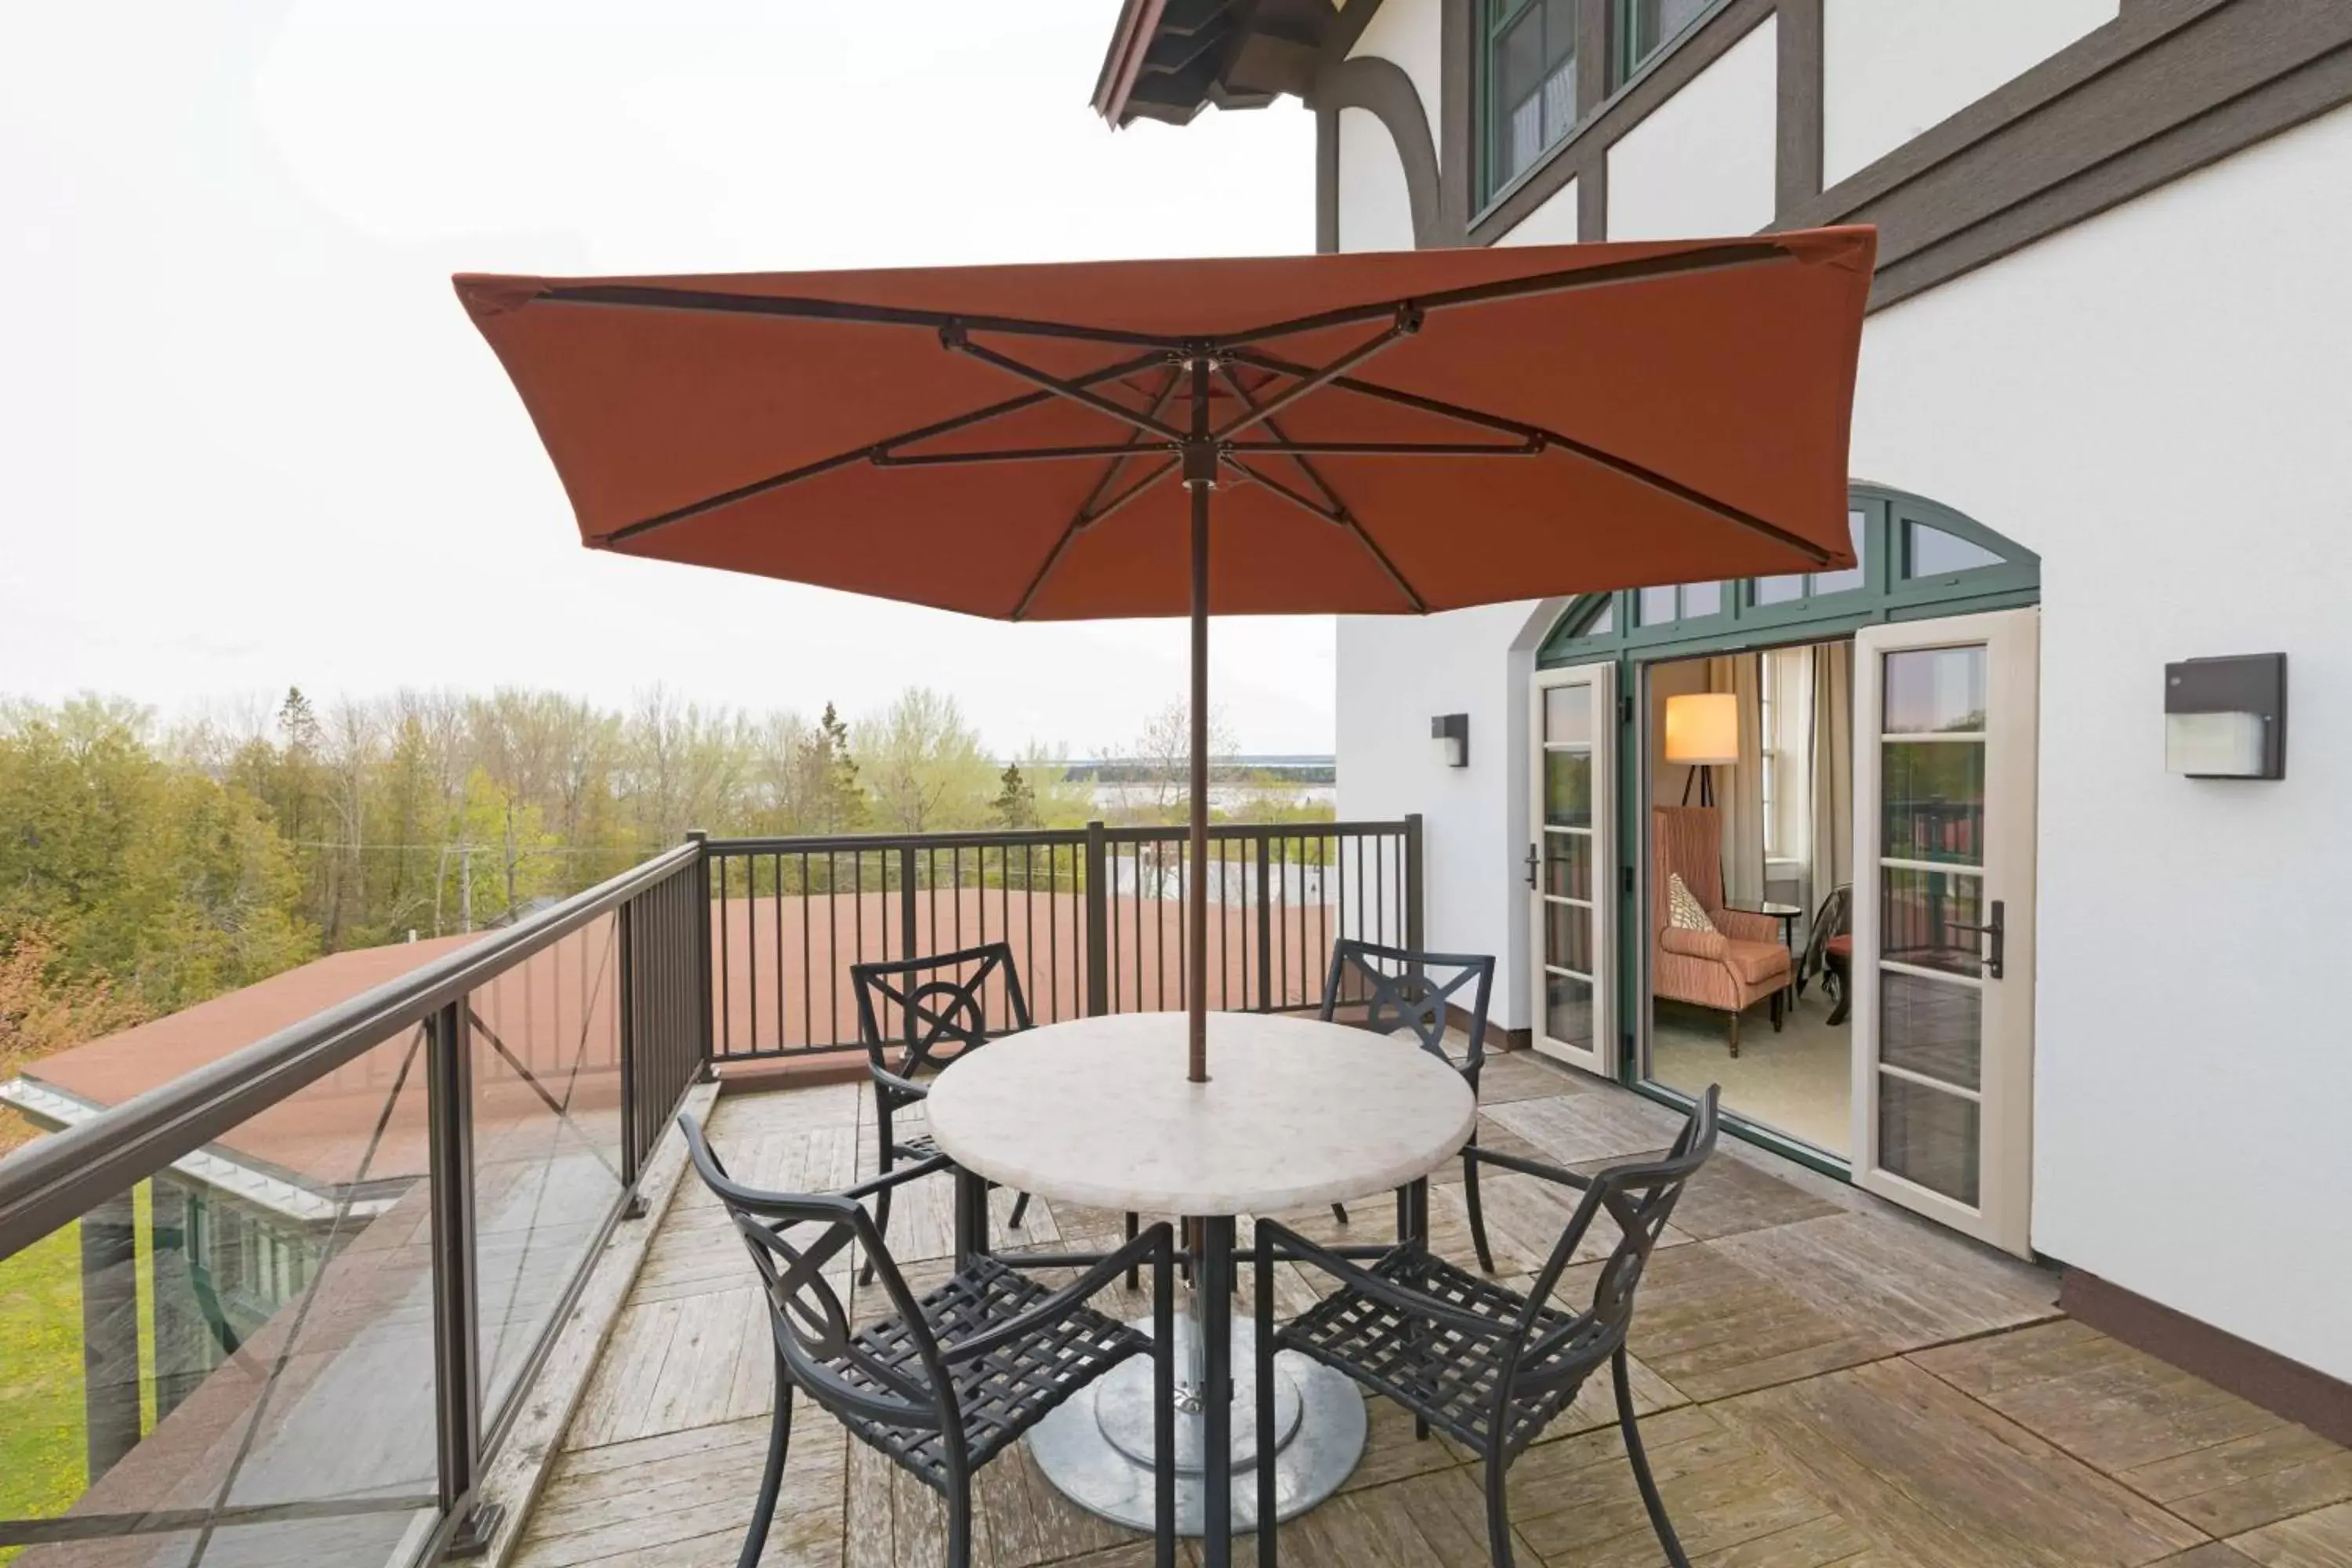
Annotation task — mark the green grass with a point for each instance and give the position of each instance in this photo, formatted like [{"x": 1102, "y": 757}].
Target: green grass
[
  {"x": 43, "y": 1452},
  {"x": 42, "y": 1456}
]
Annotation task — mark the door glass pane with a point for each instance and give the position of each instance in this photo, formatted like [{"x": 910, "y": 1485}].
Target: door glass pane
[
  {"x": 1567, "y": 716},
  {"x": 1924, "y": 917},
  {"x": 1779, "y": 589},
  {"x": 1568, "y": 789},
  {"x": 1927, "y": 1136},
  {"x": 1936, "y": 690},
  {"x": 1932, "y": 1027},
  {"x": 1568, "y": 865},
  {"x": 1702, "y": 599},
  {"x": 1568, "y": 937},
  {"x": 1839, "y": 582},
  {"x": 1656, "y": 605},
  {"x": 1568, "y": 1010},
  {"x": 1930, "y": 552},
  {"x": 1932, "y": 794}
]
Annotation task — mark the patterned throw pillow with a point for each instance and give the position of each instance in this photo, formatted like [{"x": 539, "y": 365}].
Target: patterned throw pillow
[{"x": 1684, "y": 911}]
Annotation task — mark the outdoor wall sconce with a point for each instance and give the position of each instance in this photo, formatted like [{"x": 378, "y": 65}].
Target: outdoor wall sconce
[
  {"x": 2226, "y": 718},
  {"x": 1452, "y": 733}
]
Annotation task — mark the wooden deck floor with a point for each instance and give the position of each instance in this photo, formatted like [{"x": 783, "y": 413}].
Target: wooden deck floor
[{"x": 1824, "y": 1380}]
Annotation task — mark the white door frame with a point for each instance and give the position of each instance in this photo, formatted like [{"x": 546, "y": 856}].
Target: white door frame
[
  {"x": 1600, "y": 1054},
  {"x": 2002, "y": 1213}
]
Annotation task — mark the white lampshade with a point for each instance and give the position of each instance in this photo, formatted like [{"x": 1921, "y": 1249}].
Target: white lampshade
[{"x": 1703, "y": 729}]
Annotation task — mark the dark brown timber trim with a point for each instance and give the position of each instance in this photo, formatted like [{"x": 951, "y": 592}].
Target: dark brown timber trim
[
  {"x": 1382, "y": 89},
  {"x": 1797, "y": 158},
  {"x": 2168, "y": 88},
  {"x": 2285, "y": 1387}
]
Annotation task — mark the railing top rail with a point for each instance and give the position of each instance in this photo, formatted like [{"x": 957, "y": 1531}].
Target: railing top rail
[
  {"x": 993, "y": 839},
  {"x": 63, "y": 1175}
]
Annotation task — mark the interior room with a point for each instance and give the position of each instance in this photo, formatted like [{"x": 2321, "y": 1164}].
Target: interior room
[{"x": 1749, "y": 839}]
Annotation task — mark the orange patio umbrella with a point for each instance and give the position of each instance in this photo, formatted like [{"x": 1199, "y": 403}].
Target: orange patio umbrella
[{"x": 1390, "y": 434}]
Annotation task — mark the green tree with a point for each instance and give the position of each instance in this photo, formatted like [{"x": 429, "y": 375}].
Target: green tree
[
  {"x": 1016, "y": 802},
  {"x": 925, "y": 762}
]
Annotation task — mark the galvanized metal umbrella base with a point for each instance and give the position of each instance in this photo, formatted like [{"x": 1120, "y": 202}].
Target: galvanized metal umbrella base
[{"x": 1097, "y": 1450}]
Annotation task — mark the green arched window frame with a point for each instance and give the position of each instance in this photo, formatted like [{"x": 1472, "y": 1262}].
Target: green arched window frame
[{"x": 1919, "y": 559}]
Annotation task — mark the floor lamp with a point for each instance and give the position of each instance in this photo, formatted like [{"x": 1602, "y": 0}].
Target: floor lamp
[{"x": 1702, "y": 733}]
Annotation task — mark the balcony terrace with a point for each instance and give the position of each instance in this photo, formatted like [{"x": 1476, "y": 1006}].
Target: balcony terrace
[{"x": 427, "y": 1273}]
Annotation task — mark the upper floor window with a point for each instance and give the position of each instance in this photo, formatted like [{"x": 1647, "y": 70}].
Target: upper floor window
[
  {"x": 1646, "y": 27},
  {"x": 1530, "y": 83}
]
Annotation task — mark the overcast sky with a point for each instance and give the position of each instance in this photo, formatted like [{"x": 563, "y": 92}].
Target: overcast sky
[{"x": 249, "y": 439}]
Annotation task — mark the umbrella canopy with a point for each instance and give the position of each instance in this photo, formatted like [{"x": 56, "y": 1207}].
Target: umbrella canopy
[{"x": 1363, "y": 434}]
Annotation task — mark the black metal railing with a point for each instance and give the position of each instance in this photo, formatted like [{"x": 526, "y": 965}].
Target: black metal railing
[
  {"x": 301, "y": 1292},
  {"x": 1094, "y": 915}
]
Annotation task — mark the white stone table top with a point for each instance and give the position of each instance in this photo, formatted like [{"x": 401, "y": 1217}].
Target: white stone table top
[{"x": 1295, "y": 1112}]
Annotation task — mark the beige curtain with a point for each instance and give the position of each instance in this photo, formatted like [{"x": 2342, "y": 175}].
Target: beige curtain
[
  {"x": 1831, "y": 841},
  {"x": 1741, "y": 800}
]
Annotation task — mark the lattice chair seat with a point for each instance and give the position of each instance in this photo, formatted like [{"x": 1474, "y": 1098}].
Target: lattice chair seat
[
  {"x": 1441, "y": 1373},
  {"x": 1002, "y": 1393}
]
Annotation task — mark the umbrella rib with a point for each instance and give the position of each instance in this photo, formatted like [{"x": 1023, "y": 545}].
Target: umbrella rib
[
  {"x": 1075, "y": 391},
  {"x": 1079, "y": 524},
  {"x": 1636, "y": 269},
  {"x": 1340, "y": 510},
  {"x": 867, "y": 453},
  {"x": 1087, "y": 516},
  {"x": 644, "y": 297},
  {"x": 1407, "y": 322},
  {"x": 1016, "y": 455},
  {"x": 1598, "y": 456},
  {"x": 1528, "y": 448},
  {"x": 1336, "y": 515}
]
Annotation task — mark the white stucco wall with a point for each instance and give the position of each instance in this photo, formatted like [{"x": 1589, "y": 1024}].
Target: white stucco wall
[
  {"x": 1396, "y": 673},
  {"x": 1375, "y": 206},
  {"x": 2155, "y": 401},
  {"x": 1410, "y": 31},
  {"x": 1702, "y": 163},
  {"x": 1553, "y": 223},
  {"x": 1891, "y": 68}
]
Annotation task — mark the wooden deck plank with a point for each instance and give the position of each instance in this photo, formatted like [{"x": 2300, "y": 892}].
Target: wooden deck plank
[
  {"x": 1894, "y": 1279},
  {"x": 2321, "y": 1539},
  {"x": 1926, "y": 1469}
]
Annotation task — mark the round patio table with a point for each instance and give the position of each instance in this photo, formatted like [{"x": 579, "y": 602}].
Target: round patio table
[{"x": 1297, "y": 1114}]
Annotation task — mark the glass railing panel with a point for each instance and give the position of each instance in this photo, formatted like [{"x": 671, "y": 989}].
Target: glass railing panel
[
  {"x": 232, "y": 1362},
  {"x": 545, "y": 1043}
]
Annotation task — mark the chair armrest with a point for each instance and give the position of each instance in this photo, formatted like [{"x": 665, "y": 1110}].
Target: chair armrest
[
  {"x": 1707, "y": 944},
  {"x": 1403, "y": 1298},
  {"x": 1527, "y": 1167},
  {"x": 905, "y": 1089},
  {"x": 892, "y": 1178},
  {"x": 1156, "y": 1245}
]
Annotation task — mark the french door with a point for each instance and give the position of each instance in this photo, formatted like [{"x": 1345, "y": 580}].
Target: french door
[
  {"x": 1945, "y": 726},
  {"x": 1571, "y": 864}
]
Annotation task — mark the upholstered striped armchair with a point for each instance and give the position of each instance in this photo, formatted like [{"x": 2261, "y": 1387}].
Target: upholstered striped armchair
[{"x": 1739, "y": 964}]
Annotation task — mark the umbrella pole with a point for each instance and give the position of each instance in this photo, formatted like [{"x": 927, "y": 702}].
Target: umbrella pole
[{"x": 1196, "y": 935}]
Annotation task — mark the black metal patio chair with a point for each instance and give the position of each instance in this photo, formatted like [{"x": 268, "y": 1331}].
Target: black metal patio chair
[
  {"x": 1485, "y": 1365},
  {"x": 948, "y": 1380},
  {"x": 942, "y": 1007},
  {"x": 1400, "y": 989}
]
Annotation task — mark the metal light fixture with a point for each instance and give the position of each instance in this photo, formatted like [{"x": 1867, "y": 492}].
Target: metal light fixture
[
  {"x": 1452, "y": 733},
  {"x": 2226, "y": 718},
  {"x": 1702, "y": 733}
]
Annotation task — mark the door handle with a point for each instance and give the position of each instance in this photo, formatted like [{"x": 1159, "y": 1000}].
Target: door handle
[
  {"x": 1992, "y": 929},
  {"x": 1531, "y": 865}
]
